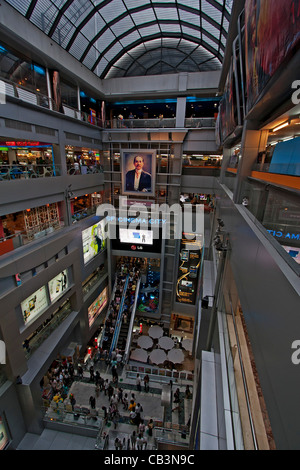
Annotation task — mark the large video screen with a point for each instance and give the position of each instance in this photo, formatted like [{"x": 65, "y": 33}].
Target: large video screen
[
  {"x": 93, "y": 241},
  {"x": 188, "y": 272},
  {"x": 144, "y": 237},
  {"x": 97, "y": 306},
  {"x": 58, "y": 285},
  {"x": 34, "y": 304}
]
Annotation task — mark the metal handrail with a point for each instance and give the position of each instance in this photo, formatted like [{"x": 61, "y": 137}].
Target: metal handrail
[
  {"x": 244, "y": 378},
  {"x": 128, "y": 342},
  {"x": 119, "y": 319}
]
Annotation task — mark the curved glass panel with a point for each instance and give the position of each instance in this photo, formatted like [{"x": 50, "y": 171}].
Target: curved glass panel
[{"x": 104, "y": 33}]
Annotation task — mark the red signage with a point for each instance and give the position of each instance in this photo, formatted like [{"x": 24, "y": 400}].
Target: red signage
[{"x": 23, "y": 144}]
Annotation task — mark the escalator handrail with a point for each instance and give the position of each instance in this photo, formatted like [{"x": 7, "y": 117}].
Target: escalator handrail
[
  {"x": 132, "y": 317},
  {"x": 119, "y": 319},
  {"x": 108, "y": 311}
]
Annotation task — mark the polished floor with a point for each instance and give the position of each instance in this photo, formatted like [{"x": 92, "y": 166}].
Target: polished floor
[{"x": 54, "y": 439}]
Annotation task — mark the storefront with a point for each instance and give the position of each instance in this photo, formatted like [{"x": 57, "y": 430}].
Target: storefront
[
  {"x": 82, "y": 156},
  {"x": 26, "y": 153}
]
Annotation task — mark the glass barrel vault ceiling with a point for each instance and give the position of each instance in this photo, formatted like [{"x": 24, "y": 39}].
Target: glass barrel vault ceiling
[{"x": 118, "y": 38}]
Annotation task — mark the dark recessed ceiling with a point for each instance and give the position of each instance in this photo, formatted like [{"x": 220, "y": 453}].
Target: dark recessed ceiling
[{"x": 121, "y": 38}]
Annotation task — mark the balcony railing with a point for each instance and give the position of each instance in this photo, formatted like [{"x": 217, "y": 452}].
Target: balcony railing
[
  {"x": 14, "y": 90},
  {"x": 20, "y": 171},
  {"x": 201, "y": 122},
  {"x": 29, "y": 171},
  {"x": 47, "y": 328}
]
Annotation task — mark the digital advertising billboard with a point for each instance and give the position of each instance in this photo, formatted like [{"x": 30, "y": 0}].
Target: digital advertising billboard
[
  {"x": 188, "y": 271},
  {"x": 97, "y": 306},
  {"x": 145, "y": 237},
  {"x": 34, "y": 304},
  {"x": 58, "y": 285},
  {"x": 93, "y": 241}
]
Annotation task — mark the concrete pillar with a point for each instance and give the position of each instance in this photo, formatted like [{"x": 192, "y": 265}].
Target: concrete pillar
[{"x": 180, "y": 112}]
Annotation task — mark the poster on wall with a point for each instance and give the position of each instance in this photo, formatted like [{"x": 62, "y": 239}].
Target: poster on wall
[
  {"x": 34, "y": 304},
  {"x": 97, "y": 306},
  {"x": 138, "y": 172},
  {"x": 58, "y": 285},
  {"x": 188, "y": 271},
  {"x": 4, "y": 439},
  {"x": 227, "y": 119},
  {"x": 271, "y": 34},
  {"x": 93, "y": 241}
]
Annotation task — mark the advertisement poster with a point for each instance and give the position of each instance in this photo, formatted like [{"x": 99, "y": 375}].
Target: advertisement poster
[
  {"x": 58, "y": 285},
  {"x": 227, "y": 119},
  {"x": 138, "y": 172},
  {"x": 97, "y": 306},
  {"x": 137, "y": 241},
  {"x": 3, "y": 435},
  {"x": 93, "y": 241},
  {"x": 145, "y": 237},
  {"x": 188, "y": 272},
  {"x": 271, "y": 35},
  {"x": 34, "y": 304}
]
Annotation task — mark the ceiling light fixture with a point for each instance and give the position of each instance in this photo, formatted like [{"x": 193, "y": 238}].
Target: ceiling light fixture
[{"x": 281, "y": 126}]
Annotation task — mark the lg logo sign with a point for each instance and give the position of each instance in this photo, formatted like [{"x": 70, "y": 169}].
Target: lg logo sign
[{"x": 2, "y": 353}]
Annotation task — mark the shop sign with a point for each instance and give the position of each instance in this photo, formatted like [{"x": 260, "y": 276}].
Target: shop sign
[
  {"x": 288, "y": 235},
  {"x": 23, "y": 144}
]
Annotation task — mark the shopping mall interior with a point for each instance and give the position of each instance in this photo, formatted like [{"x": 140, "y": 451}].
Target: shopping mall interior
[{"x": 149, "y": 225}]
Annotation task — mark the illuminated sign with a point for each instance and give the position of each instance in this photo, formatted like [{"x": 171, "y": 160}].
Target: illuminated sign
[
  {"x": 136, "y": 220},
  {"x": 280, "y": 234},
  {"x": 23, "y": 144},
  {"x": 189, "y": 268},
  {"x": 93, "y": 241},
  {"x": 34, "y": 304},
  {"x": 58, "y": 285},
  {"x": 97, "y": 306},
  {"x": 143, "y": 237}
]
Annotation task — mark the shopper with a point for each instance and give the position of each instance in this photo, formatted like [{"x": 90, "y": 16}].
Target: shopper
[
  {"x": 144, "y": 442},
  {"x": 188, "y": 393},
  {"x": 132, "y": 416},
  {"x": 138, "y": 383},
  {"x": 125, "y": 402},
  {"x": 146, "y": 383},
  {"x": 150, "y": 427},
  {"x": 133, "y": 440},
  {"x": 139, "y": 442},
  {"x": 92, "y": 402}
]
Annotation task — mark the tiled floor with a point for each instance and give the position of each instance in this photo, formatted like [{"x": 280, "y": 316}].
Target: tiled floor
[
  {"x": 151, "y": 401},
  {"x": 55, "y": 440}
]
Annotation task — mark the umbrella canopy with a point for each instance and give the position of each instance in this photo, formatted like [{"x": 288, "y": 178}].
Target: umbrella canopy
[
  {"x": 158, "y": 356},
  {"x": 187, "y": 344},
  {"x": 166, "y": 342},
  {"x": 176, "y": 356},
  {"x": 145, "y": 342},
  {"x": 139, "y": 355},
  {"x": 155, "y": 331}
]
